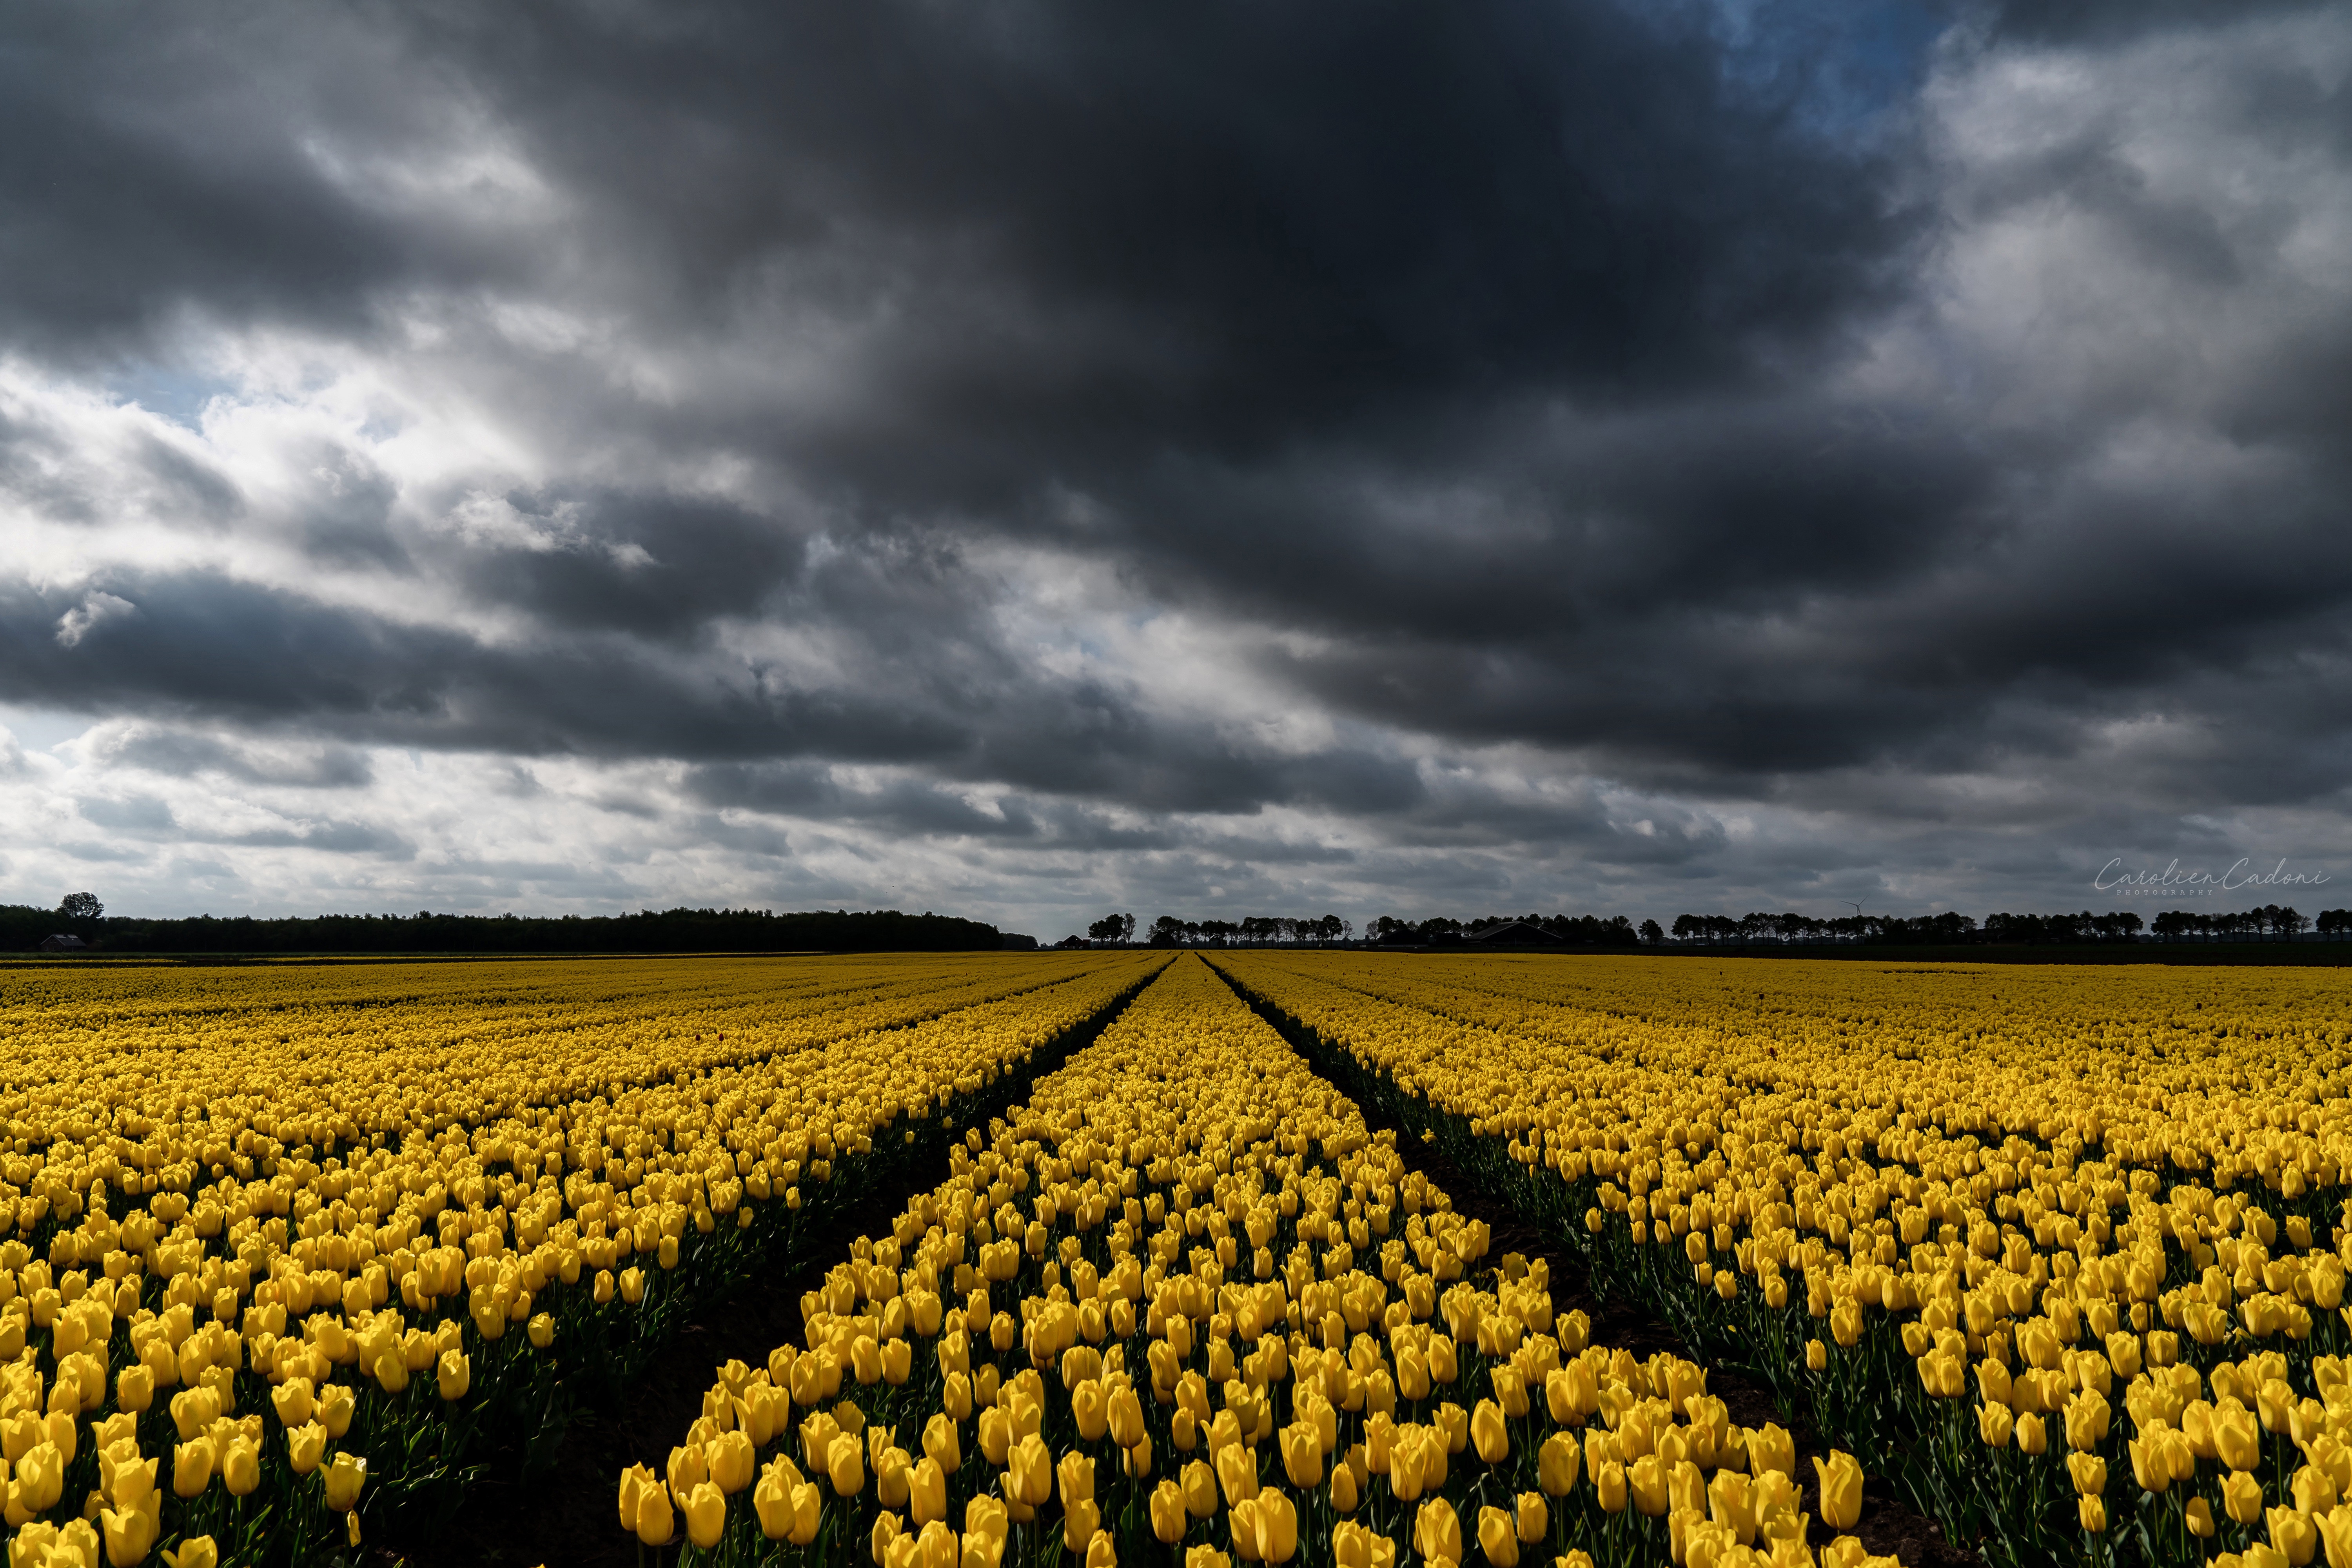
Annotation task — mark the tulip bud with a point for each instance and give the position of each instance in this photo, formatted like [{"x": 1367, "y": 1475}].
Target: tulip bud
[
  {"x": 705, "y": 1516},
  {"x": 345, "y": 1476},
  {"x": 1438, "y": 1532},
  {"x": 1609, "y": 1486},
  {"x": 240, "y": 1466},
  {"x": 1498, "y": 1540},
  {"x": 1168, "y": 1516},
  {"x": 192, "y": 1467},
  {"x": 1200, "y": 1487},
  {"x": 196, "y": 1551},
  {"x": 1840, "y": 1489},
  {"x": 1277, "y": 1526}
]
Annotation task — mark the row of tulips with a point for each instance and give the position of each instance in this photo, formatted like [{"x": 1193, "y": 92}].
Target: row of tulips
[
  {"x": 1183, "y": 1306},
  {"x": 386, "y": 1279},
  {"x": 2092, "y": 1315}
]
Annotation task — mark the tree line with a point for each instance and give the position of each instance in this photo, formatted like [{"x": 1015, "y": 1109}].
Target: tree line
[
  {"x": 1949, "y": 927},
  {"x": 649, "y": 931},
  {"x": 2273, "y": 921},
  {"x": 1252, "y": 931}
]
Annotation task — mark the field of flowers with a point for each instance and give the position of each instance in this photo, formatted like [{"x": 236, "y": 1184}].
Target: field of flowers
[
  {"x": 2060, "y": 1251},
  {"x": 1184, "y": 1306},
  {"x": 289, "y": 1253},
  {"x": 285, "y": 1245}
]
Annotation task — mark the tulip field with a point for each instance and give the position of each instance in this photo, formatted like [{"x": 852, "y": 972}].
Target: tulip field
[
  {"x": 1126, "y": 1256},
  {"x": 290, "y": 1244},
  {"x": 1185, "y": 1306},
  {"x": 2060, "y": 1251}
]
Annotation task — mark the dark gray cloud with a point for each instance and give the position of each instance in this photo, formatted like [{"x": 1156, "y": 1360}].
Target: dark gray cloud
[{"x": 1582, "y": 450}]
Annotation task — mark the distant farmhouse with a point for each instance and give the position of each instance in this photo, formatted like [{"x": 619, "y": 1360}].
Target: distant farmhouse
[{"x": 61, "y": 944}]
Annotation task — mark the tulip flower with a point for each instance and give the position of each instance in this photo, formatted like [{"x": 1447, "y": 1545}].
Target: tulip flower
[
  {"x": 2237, "y": 1440},
  {"x": 129, "y": 1535},
  {"x": 1438, "y": 1532},
  {"x": 1198, "y": 1484},
  {"x": 706, "y": 1515},
  {"x": 1030, "y": 1471},
  {"x": 1170, "y": 1518},
  {"x": 192, "y": 1467},
  {"x": 2241, "y": 1497},
  {"x": 2198, "y": 1515},
  {"x": 196, "y": 1551},
  {"x": 1488, "y": 1433},
  {"x": 1499, "y": 1541},
  {"x": 1609, "y": 1486},
  {"x": 1840, "y": 1489},
  {"x": 771, "y": 1500},
  {"x": 1276, "y": 1526},
  {"x": 345, "y": 1476},
  {"x": 1302, "y": 1455}
]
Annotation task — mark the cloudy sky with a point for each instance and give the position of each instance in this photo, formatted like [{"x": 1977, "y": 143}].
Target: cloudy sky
[{"x": 1027, "y": 459}]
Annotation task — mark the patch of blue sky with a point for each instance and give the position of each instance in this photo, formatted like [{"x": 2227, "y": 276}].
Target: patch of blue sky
[{"x": 176, "y": 393}]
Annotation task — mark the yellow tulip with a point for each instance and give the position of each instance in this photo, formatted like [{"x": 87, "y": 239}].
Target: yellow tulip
[
  {"x": 192, "y": 1467},
  {"x": 655, "y": 1522},
  {"x": 453, "y": 1374},
  {"x": 2241, "y": 1497},
  {"x": 2237, "y": 1440},
  {"x": 1169, "y": 1517},
  {"x": 2031, "y": 1438},
  {"x": 2292, "y": 1535},
  {"x": 1302, "y": 1455},
  {"x": 240, "y": 1466},
  {"x": 1498, "y": 1540},
  {"x": 1609, "y": 1486},
  {"x": 1993, "y": 1425},
  {"x": 772, "y": 1498},
  {"x": 344, "y": 1477},
  {"x": 845, "y": 1466},
  {"x": 196, "y": 1551},
  {"x": 1533, "y": 1519},
  {"x": 1488, "y": 1433},
  {"x": 731, "y": 1462},
  {"x": 2089, "y": 1472},
  {"x": 1437, "y": 1532},
  {"x": 1646, "y": 1477},
  {"x": 1200, "y": 1487},
  {"x": 705, "y": 1516},
  {"x": 2093, "y": 1513},
  {"x": 129, "y": 1536},
  {"x": 1277, "y": 1526},
  {"x": 1030, "y": 1471},
  {"x": 1840, "y": 1489},
  {"x": 1345, "y": 1494},
  {"x": 2199, "y": 1516}
]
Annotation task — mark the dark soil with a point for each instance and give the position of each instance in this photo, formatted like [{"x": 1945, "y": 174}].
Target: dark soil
[{"x": 570, "y": 1517}]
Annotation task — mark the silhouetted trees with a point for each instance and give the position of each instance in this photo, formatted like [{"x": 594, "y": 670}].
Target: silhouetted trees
[{"x": 666, "y": 931}]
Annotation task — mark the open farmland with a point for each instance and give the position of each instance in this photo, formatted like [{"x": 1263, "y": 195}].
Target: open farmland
[
  {"x": 294, "y": 1246},
  {"x": 1115, "y": 1258},
  {"x": 2061, "y": 1251}
]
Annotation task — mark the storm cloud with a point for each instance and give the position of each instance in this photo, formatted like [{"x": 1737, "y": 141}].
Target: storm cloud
[{"x": 1023, "y": 459}]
